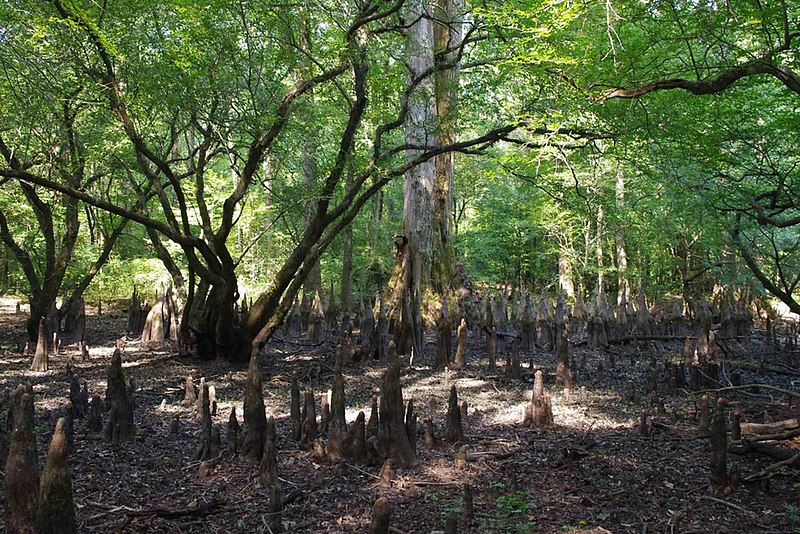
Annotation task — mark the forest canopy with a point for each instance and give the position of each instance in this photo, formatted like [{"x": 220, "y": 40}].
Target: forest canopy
[{"x": 275, "y": 152}]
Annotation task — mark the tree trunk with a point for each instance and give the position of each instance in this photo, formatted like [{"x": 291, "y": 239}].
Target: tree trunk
[
  {"x": 347, "y": 253},
  {"x": 623, "y": 282},
  {"x": 308, "y": 159},
  {"x": 600, "y": 226},
  {"x": 420, "y": 182},
  {"x": 447, "y": 34}
]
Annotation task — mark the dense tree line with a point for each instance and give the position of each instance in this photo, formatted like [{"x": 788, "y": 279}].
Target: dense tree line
[{"x": 583, "y": 147}]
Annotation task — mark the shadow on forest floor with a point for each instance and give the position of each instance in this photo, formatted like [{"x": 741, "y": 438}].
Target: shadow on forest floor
[{"x": 594, "y": 469}]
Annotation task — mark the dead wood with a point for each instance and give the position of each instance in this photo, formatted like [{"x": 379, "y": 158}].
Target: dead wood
[
  {"x": 719, "y": 449},
  {"x": 702, "y": 417},
  {"x": 204, "y": 509},
  {"x": 780, "y": 436},
  {"x": 56, "y": 507},
  {"x": 769, "y": 428},
  {"x": 756, "y": 447},
  {"x": 755, "y": 386},
  {"x": 791, "y": 461}
]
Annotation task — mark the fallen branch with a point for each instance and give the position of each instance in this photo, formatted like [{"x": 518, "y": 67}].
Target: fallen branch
[
  {"x": 746, "y": 447},
  {"x": 751, "y": 386},
  {"x": 726, "y": 503},
  {"x": 776, "y": 437},
  {"x": 769, "y": 428},
  {"x": 201, "y": 510},
  {"x": 767, "y": 470}
]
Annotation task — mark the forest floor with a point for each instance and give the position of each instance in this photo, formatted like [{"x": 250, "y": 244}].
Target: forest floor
[{"x": 593, "y": 470}]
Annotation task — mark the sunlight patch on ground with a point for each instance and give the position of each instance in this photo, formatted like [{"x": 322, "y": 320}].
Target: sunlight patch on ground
[
  {"x": 9, "y": 305},
  {"x": 101, "y": 352}
]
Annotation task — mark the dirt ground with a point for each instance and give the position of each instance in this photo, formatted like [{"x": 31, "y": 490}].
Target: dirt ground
[{"x": 595, "y": 469}]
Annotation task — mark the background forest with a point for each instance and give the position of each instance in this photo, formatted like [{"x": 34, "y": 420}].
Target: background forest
[
  {"x": 566, "y": 232},
  {"x": 603, "y": 146}
]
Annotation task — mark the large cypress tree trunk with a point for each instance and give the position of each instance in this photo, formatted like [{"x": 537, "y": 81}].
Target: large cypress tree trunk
[
  {"x": 425, "y": 256},
  {"x": 447, "y": 39},
  {"x": 420, "y": 181}
]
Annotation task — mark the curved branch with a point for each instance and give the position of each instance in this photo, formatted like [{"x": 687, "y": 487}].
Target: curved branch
[{"x": 710, "y": 86}]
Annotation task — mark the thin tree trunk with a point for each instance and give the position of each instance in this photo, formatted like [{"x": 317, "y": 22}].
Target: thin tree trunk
[
  {"x": 347, "y": 253},
  {"x": 623, "y": 282},
  {"x": 308, "y": 158},
  {"x": 600, "y": 227}
]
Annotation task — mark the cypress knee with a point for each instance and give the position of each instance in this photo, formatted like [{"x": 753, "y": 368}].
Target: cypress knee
[
  {"x": 56, "y": 506},
  {"x": 381, "y": 513},
  {"x": 453, "y": 431},
  {"x": 255, "y": 418},
  {"x": 22, "y": 467}
]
